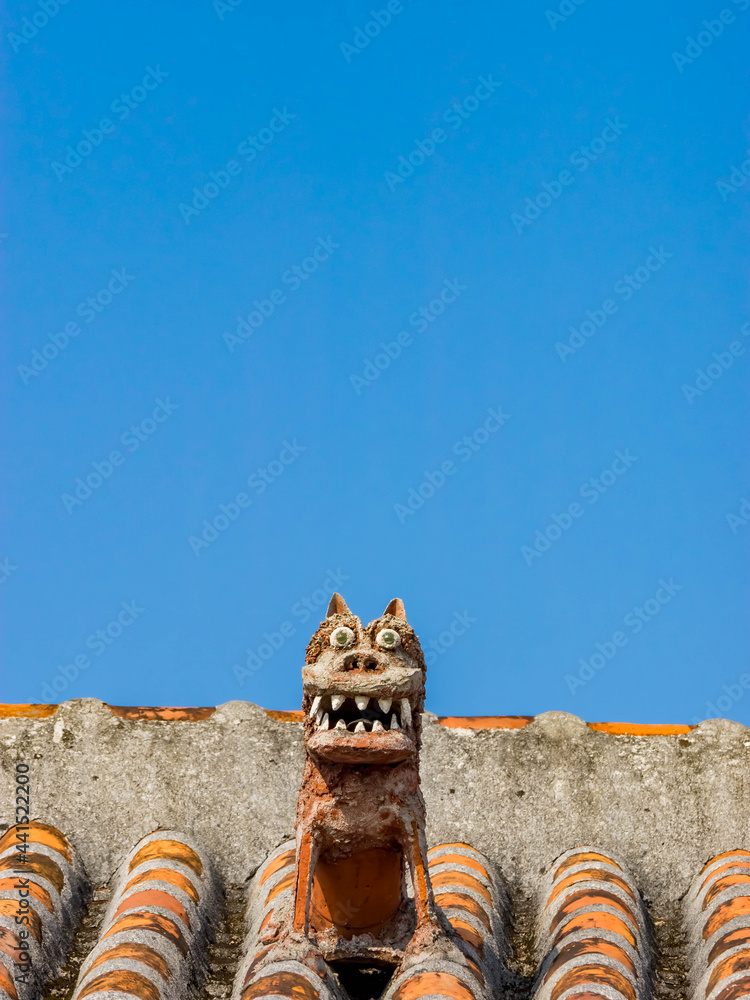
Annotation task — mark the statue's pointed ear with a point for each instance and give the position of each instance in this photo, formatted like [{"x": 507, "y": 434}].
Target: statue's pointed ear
[
  {"x": 396, "y": 608},
  {"x": 337, "y": 606}
]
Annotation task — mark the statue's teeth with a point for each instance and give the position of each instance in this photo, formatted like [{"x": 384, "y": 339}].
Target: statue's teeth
[
  {"x": 360, "y": 727},
  {"x": 385, "y": 705},
  {"x": 315, "y": 705},
  {"x": 394, "y": 722},
  {"x": 362, "y": 701},
  {"x": 337, "y": 700},
  {"x": 340, "y": 724},
  {"x": 324, "y": 722},
  {"x": 405, "y": 712},
  {"x": 377, "y": 726}
]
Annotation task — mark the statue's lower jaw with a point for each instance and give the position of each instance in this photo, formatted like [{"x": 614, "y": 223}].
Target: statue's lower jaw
[{"x": 362, "y": 748}]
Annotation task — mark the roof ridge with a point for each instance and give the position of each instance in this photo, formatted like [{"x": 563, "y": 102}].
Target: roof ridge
[{"x": 475, "y": 722}]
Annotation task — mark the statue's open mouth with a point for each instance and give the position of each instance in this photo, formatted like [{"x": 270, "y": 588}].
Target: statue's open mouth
[
  {"x": 360, "y": 713},
  {"x": 362, "y": 727}
]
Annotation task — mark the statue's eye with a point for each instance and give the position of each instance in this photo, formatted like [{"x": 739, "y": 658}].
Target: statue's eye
[
  {"x": 342, "y": 637},
  {"x": 388, "y": 638}
]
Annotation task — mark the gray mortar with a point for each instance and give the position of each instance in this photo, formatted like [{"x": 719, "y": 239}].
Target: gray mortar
[{"x": 661, "y": 804}]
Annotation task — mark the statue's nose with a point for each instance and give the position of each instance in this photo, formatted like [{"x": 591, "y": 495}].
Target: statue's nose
[{"x": 362, "y": 661}]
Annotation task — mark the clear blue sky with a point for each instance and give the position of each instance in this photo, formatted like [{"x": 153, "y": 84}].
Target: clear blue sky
[{"x": 214, "y": 217}]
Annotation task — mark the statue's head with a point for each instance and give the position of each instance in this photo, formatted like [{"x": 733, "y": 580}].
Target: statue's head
[{"x": 363, "y": 687}]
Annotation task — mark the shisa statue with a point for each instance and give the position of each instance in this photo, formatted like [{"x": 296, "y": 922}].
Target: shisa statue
[{"x": 355, "y": 895}]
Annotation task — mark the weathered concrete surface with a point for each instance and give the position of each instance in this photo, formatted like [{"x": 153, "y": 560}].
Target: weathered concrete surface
[{"x": 663, "y": 805}]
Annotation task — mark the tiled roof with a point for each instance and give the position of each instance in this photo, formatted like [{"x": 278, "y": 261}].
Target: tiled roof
[{"x": 614, "y": 864}]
